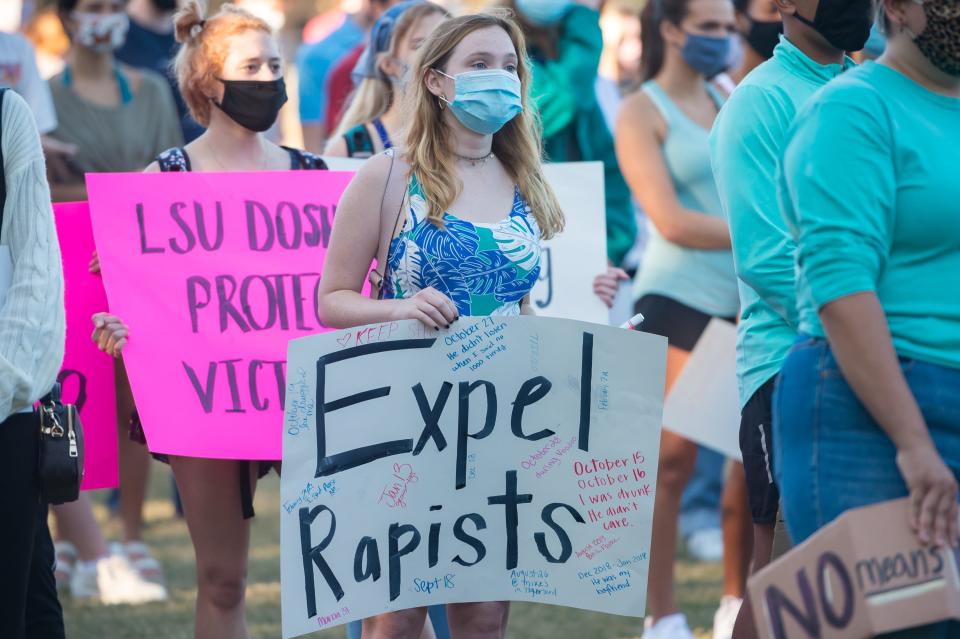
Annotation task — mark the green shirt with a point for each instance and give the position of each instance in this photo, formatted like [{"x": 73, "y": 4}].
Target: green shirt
[
  {"x": 574, "y": 129},
  {"x": 746, "y": 145},
  {"x": 871, "y": 187}
]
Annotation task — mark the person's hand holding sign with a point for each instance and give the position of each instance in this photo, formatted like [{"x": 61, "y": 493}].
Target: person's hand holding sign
[
  {"x": 933, "y": 494},
  {"x": 110, "y": 333},
  {"x": 430, "y": 306},
  {"x": 95, "y": 263},
  {"x": 606, "y": 285}
]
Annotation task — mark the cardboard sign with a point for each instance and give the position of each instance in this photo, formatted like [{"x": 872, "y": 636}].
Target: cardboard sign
[
  {"x": 703, "y": 403},
  {"x": 862, "y": 575},
  {"x": 213, "y": 273},
  {"x": 502, "y": 459},
  {"x": 87, "y": 376},
  {"x": 571, "y": 260}
]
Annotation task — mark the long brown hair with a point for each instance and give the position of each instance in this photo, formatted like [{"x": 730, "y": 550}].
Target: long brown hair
[
  {"x": 517, "y": 145},
  {"x": 654, "y": 48}
]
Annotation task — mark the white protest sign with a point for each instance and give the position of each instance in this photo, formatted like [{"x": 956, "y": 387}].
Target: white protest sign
[
  {"x": 502, "y": 459},
  {"x": 575, "y": 257},
  {"x": 571, "y": 260},
  {"x": 703, "y": 403}
]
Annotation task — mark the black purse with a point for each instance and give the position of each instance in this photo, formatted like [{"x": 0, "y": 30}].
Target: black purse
[{"x": 60, "y": 465}]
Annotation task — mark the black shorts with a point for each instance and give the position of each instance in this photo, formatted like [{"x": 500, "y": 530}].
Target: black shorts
[
  {"x": 680, "y": 324},
  {"x": 756, "y": 444}
]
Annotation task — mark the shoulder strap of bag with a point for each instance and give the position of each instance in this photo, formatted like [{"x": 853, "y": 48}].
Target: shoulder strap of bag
[{"x": 385, "y": 267}]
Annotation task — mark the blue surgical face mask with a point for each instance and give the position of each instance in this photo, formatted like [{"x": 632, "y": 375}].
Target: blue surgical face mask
[
  {"x": 708, "y": 55},
  {"x": 544, "y": 13},
  {"x": 484, "y": 101}
]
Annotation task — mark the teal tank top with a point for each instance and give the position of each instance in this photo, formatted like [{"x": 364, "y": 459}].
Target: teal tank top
[{"x": 703, "y": 280}]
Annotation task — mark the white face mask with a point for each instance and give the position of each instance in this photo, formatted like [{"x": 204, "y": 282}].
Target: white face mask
[{"x": 101, "y": 33}]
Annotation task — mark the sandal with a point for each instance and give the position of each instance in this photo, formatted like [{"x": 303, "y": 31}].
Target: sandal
[
  {"x": 65, "y": 555},
  {"x": 143, "y": 561}
]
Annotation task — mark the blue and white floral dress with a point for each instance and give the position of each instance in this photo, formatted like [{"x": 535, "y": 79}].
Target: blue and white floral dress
[{"x": 486, "y": 269}]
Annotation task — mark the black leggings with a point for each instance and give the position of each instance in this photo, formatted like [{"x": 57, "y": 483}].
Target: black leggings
[{"x": 29, "y": 608}]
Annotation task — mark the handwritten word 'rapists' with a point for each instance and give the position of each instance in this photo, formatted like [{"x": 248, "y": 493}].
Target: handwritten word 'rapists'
[{"x": 404, "y": 539}]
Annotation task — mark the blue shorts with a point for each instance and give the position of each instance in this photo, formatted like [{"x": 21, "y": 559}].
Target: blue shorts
[{"x": 831, "y": 456}]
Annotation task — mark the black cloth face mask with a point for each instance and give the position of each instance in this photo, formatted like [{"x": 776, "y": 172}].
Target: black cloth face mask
[
  {"x": 165, "y": 5},
  {"x": 253, "y": 104},
  {"x": 845, "y": 24},
  {"x": 764, "y": 36}
]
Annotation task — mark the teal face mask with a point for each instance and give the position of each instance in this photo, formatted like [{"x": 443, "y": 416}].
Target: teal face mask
[{"x": 484, "y": 101}]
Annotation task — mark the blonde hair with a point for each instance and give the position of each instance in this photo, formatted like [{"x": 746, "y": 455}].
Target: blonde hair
[
  {"x": 204, "y": 50},
  {"x": 517, "y": 145},
  {"x": 373, "y": 96}
]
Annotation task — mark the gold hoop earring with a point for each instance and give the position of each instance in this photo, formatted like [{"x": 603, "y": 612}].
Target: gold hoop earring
[{"x": 441, "y": 100}]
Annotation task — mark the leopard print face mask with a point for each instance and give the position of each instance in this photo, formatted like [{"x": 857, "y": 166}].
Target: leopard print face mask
[{"x": 940, "y": 41}]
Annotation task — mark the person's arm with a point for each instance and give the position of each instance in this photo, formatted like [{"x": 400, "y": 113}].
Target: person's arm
[
  {"x": 32, "y": 318},
  {"x": 353, "y": 247},
  {"x": 311, "y": 74},
  {"x": 565, "y": 85},
  {"x": 336, "y": 148},
  {"x": 843, "y": 214},
  {"x": 641, "y": 161},
  {"x": 746, "y": 146},
  {"x": 860, "y": 338}
]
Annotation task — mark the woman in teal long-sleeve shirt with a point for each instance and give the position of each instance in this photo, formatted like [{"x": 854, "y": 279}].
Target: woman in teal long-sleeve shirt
[{"x": 869, "y": 401}]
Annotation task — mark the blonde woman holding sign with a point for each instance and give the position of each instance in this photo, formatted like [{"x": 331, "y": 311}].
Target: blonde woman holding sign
[
  {"x": 457, "y": 220},
  {"x": 231, "y": 75}
]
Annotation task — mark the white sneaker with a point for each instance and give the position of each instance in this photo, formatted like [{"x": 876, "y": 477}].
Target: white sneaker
[
  {"x": 120, "y": 583},
  {"x": 670, "y": 627},
  {"x": 726, "y": 617},
  {"x": 706, "y": 545},
  {"x": 83, "y": 581}
]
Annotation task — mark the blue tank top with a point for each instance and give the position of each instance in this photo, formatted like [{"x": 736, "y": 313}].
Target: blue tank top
[{"x": 703, "y": 280}]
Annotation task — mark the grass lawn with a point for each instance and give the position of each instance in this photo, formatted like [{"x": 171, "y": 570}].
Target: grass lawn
[{"x": 698, "y": 587}]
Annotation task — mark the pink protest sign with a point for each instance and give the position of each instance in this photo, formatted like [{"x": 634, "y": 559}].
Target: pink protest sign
[
  {"x": 87, "y": 375},
  {"x": 214, "y": 273}
]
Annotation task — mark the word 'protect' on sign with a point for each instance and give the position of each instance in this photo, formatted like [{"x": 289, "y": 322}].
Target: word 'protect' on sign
[
  {"x": 213, "y": 273},
  {"x": 502, "y": 459}
]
